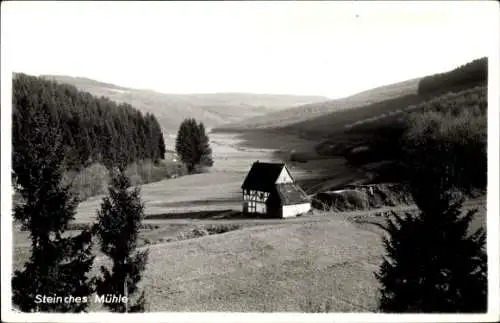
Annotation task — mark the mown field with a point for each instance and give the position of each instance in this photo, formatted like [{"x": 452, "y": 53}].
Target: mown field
[{"x": 319, "y": 262}]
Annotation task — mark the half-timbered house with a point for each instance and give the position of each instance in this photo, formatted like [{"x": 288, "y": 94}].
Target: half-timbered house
[{"x": 269, "y": 189}]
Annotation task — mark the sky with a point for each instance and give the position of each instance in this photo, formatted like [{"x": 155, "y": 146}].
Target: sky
[{"x": 324, "y": 48}]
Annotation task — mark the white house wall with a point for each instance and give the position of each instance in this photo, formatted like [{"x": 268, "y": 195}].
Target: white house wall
[
  {"x": 294, "y": 210},
  {"x": 261, "y": 208},
  {"x": 284, "y": 177}
]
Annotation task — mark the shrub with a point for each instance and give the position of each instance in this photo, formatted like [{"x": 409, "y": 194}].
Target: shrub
[
  {"x": 148, "y": 172},
  {"x": 221, "y": 228},
  {"x": 90, "y": 181},
  {"x": 93, "y": 180},
  {"x": 194, "y": 233}
]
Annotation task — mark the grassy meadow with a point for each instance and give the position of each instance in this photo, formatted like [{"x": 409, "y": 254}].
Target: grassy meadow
[{"x": 324, "y": 262}]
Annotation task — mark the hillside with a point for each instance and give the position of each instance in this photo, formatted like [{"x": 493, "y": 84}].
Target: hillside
[
  {"x": 295, "y": 116},
  {"x": 330, "y": 117},
  {"x": 170, "y": 109},
  {"x": 363, "y": 134}
]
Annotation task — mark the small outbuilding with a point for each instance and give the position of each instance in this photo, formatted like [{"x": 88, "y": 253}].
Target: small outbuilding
[{"x": 269, "y": 189}]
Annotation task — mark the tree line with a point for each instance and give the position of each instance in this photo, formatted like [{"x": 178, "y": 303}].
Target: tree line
[
  {"x": 468, "y": 75},
  {"x": 93, "y": 129}
]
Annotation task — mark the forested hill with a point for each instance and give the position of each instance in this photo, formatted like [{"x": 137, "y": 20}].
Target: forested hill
[
  {"x": 171, "y": 109},
  {"x": 92, "y": 129},
  {"x": 466, "y": 76},
  {"x": 332, "y": 116}
]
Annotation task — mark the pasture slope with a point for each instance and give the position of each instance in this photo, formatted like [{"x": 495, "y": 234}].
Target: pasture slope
[{"x": 277, "y": 268}]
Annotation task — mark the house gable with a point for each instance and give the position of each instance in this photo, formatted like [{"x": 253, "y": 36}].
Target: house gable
[{"x": 284, "y": 177}]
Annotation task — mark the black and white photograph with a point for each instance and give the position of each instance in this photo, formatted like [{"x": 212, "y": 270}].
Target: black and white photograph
[{"x": 250, "y": 161}]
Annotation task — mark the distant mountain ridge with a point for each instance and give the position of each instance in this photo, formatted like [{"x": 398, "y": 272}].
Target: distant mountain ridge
[
  {"x": 170, "y": 109},
  {"x": 303, "y": 113},
  {"x": 323, "y": 118}
]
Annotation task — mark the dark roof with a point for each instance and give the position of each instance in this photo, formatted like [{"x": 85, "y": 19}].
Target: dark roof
[
  {"x": 262, "y": 176},
  {"x": 291, "y": 193}
]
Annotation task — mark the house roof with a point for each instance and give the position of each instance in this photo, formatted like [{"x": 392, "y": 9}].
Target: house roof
[
  {"x": 262, "y": 176},
  {"x": 291, "y": 193}
]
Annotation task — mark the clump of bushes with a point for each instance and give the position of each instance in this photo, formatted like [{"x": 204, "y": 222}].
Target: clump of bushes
[
  {"x": 208, "y": 230},
  {"x": 450, "y": 137},
  {"x": 363, "y": 198},
  {"x": 93, "y": 180},
  {"x": 347, "y": 200},
  {"x": 148, "y": 172},
  {"x": 222, "y": 228}
]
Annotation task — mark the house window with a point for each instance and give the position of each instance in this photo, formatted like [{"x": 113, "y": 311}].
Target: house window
[{"x": 252, "y": 206}]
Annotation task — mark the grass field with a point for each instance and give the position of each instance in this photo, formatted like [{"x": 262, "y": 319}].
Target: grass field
[
  {"x": 278, "y": 268},
  {"x": 314, "y": 263}
]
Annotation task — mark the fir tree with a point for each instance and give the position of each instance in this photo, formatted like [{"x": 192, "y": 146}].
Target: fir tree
[
  {"x": 119, "y": 221},
  {"x": 204, "y": 147},
  {"x": 192, "y": 145},
  {"x": 58, "y": 265},
  {"x": 433, "y": 262}
]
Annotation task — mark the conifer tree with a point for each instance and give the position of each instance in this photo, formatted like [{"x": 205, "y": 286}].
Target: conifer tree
[
  {"x": 192, "y": 145},
  {"x": 204, "y": 147},
  {"x": 433, "y": 263},
  {"x": 119, "y": 221},
  {"x": 58, "y": 264}
]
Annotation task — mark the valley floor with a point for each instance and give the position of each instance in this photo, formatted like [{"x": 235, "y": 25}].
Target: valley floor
[{"x": 220, "y": 187}]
